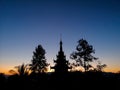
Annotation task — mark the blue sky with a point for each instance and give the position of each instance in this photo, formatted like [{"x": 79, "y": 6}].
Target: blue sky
[{"x": 26, "y": 23}]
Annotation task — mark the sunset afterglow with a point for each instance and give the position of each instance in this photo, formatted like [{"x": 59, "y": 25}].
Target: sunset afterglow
[{"x": 25, "y": 24}]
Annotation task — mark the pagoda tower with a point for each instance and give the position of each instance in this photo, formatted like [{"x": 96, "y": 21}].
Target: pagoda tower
[{"x": 61, "y": 64}]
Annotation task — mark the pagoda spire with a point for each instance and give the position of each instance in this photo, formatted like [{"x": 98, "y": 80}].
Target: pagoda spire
[
  {"x": 61, "y": 49},
  {"x": 61, "y": 64}
]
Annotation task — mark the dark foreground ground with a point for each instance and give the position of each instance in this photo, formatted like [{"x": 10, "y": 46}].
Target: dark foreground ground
[{"x": 58, "y": 81}]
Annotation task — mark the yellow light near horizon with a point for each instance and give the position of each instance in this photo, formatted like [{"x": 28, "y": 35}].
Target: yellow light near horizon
[
  {"x": 8, "y": 68},
  {"x": 5, "y": 71},
  {"x": 115, "y": 70}
]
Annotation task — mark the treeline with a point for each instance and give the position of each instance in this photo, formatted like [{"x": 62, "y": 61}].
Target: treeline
[
  {"x": 81, "y": 57},
  {"x": 35, "y": 75}
]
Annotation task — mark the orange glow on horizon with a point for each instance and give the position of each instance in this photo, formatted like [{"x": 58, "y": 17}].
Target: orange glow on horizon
[
  {"x": 114, "y": 70},
  {"x": 7, "y": 68},
  {"x": 5, "y": 71}
]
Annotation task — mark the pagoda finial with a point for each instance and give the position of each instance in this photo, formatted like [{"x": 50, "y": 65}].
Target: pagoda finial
[{"x": 61, "y": 42}]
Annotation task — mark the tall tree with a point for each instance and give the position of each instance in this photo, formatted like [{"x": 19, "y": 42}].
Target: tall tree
[
  {"x": 83, "y": 54},
  {"x": 39, "y": 63}
]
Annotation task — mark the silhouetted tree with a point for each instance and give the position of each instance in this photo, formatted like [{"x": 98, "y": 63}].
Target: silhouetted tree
[
  {"x": 39, "y": 63},
  {"x": 100, "y": 66},
  {"x": 83, "y": 54},
  {"x": 21, "y": 70}
]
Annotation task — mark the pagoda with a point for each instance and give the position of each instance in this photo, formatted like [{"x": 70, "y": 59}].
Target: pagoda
[{"x": 61, "y": 64}]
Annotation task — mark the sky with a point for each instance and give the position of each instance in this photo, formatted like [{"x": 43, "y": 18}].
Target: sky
[{"x": 24, "y": 24}]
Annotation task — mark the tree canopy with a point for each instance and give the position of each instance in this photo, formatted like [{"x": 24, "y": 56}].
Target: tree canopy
[
  {"x": 83, "y": 54},
  {"x": 39, "y": 63}
]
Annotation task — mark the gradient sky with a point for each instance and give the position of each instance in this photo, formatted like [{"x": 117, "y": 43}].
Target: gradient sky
[{"x": 26, "y": 23}]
